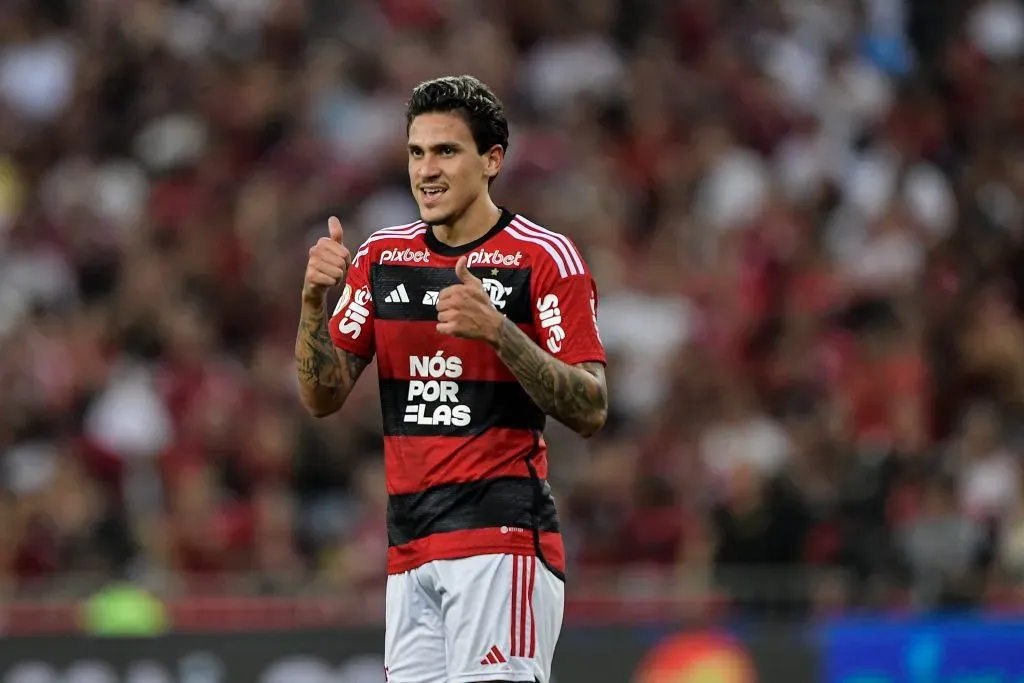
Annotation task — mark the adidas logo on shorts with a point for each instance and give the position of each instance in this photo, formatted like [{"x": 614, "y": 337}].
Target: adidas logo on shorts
[{"x": 493, "y": 657}]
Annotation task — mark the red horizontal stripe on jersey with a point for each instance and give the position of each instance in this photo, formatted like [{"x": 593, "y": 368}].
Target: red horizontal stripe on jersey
[
  {"x": 458, "y": 544},
  {"x": 419, "y": 339},
  {"x": 422, "y": 462}
]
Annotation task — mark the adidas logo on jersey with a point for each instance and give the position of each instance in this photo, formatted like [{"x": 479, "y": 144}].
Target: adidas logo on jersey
[{"x": 398, "y": 295}]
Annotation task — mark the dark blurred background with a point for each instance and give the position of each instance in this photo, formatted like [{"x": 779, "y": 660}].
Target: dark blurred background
[{"x": 804, "y": 218}]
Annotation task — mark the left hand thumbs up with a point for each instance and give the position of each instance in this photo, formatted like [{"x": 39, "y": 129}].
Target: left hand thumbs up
[
  {"x": 465, "y": 310},
  {"x": 462, "y": 271}
]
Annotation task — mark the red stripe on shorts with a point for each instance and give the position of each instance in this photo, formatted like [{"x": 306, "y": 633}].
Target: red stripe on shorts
[
  {"x": 525, "y": 581},
  {"x": 529, "y": 593},
  {"x": 513, "y": 652}
]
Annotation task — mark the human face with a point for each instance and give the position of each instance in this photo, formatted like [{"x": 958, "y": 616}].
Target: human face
[{"x": 446, "y": 172}]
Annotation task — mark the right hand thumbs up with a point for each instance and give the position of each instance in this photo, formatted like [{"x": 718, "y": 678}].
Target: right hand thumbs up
[
  {"x": 334, "y": 230},
  {"x": 328, "y": 264}
]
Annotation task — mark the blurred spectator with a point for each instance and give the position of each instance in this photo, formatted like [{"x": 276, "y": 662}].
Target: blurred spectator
[
  {"x": 761, "y": 524},
  {"x": 988, "y": 473},
  {"x": 944, "y": 550}
]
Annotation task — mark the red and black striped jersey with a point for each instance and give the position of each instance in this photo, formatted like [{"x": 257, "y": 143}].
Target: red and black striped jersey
[{"x": 465, "y": 459}]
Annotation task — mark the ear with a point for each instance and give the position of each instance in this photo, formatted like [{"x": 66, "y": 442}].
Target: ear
[{"x": 493, "y": 160}]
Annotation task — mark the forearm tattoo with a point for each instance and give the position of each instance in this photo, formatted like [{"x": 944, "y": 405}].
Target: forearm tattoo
[
  {"x": 576, "y": 396},
  {"x": 326, "y": 374}
]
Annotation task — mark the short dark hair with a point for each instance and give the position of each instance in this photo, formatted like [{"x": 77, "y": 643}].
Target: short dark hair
[{"x": 471, "y": 99}]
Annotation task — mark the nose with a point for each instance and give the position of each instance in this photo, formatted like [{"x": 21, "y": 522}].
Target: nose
[{"x": 428, "y": 168}]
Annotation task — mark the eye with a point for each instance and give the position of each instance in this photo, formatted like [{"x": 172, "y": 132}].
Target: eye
[
  {"x": 447, "y": 151},
  {"x": 416, "y": 153}
]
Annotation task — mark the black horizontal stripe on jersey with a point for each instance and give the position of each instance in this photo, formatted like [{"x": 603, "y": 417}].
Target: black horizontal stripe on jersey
[
  {"x": 509, "y": 289},
  {"x": 420, "y": 411},
  {"x": 486, "y": 504}
]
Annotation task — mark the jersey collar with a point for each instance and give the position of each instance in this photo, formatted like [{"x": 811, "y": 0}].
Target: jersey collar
[{"x": 437, "y": 246}]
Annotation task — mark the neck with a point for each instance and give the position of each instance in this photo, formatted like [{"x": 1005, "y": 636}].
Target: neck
[{"x": 473, "y": 224}]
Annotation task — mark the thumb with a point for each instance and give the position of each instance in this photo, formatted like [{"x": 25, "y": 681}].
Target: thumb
[
  {"x": 462, "y": 271},
  {"x": 334, "y": 228}
]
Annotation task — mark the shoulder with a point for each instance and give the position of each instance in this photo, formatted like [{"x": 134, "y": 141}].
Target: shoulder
[
  {"x": 389, "y": 237},
  {"x": 547, "y": 248}
]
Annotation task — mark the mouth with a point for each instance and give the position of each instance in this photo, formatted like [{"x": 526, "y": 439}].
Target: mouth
[{"x": 432, "y": 194}]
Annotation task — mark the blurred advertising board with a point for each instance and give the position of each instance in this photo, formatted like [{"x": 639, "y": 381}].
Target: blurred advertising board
[
  {"x": 870, "y": 650},
  {"x": 585, "y": 655},
  {"x": 953, "y": 650}
]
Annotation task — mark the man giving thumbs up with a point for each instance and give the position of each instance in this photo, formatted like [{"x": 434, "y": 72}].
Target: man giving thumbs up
[{"x": 469, "y": 368}]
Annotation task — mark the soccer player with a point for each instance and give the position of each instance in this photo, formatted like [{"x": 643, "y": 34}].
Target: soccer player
[{"x": 482, "y": 323}]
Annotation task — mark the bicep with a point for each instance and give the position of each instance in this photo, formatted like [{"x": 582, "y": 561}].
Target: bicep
[
  {"x": 594, "y": 369},
  {"x": 599, "y": 390},
  {"x": 351, "y": 365}
]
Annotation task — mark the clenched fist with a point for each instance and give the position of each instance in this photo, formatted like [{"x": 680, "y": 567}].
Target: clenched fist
[{"x": 328, "y": 264}]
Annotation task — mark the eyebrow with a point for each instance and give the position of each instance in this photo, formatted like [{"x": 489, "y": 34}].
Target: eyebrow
[{"x": 436, "y": 146}]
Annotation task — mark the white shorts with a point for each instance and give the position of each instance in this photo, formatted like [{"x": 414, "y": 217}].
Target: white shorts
[{"x": 475, "y": 619}]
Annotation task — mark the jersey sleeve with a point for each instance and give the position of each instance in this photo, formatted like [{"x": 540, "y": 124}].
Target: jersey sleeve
[
  {"x": 351, "y": 323},
  {"x": 565, "y": 312}
]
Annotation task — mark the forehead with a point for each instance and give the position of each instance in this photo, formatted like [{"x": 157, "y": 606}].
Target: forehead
[{"x": 436, "y": 127}]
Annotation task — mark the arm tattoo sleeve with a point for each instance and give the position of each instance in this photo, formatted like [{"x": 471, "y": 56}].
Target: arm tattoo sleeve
[
  {"x": 576, "y": 396},
  {"x": 326, "y": 374}
]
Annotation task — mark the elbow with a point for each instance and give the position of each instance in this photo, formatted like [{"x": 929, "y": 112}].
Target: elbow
[
  {"x": 594, "y": 422},
  {"x": 320, "y": 408},
  {"x": 320, "y": 412}
]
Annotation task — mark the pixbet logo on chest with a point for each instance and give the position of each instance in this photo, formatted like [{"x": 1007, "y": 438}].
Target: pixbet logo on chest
[
  {"x": 405, "y": 256},
  {"x": 494, "y": 258}
]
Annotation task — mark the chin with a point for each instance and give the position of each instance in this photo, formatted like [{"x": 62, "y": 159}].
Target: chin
[{"x": 436, "y": 216}]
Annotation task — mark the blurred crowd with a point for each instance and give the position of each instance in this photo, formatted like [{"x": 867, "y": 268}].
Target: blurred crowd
[{"x": 804, "y": 217}]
